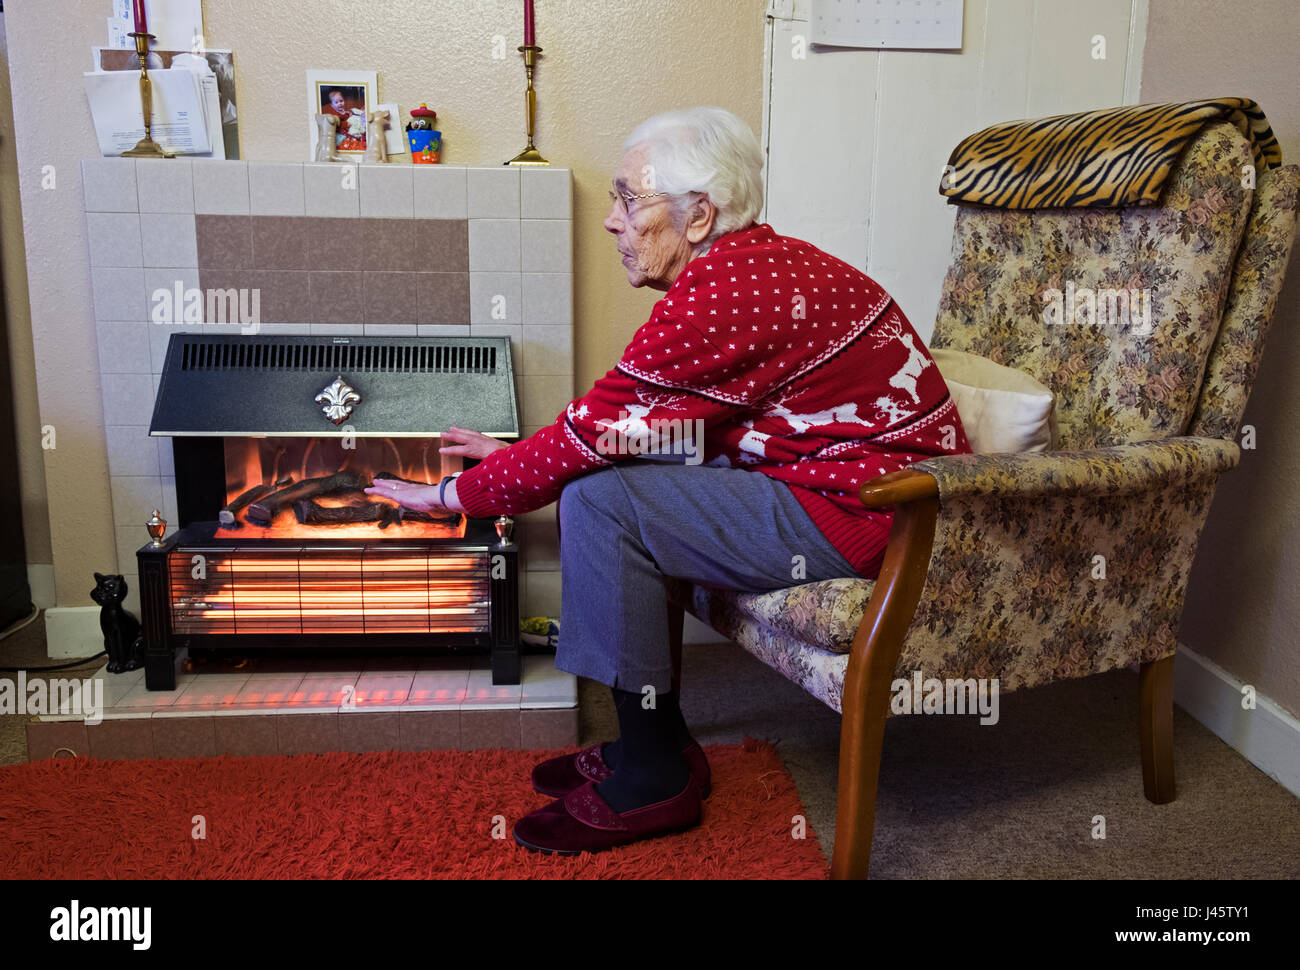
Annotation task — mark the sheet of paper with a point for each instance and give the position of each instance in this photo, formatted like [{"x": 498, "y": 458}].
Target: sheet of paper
[
  {"x": 179, "y": 121},
  {"x": 175, "y": 24},
  {"x": 898, "y": 24},
  {"x": 219, "y": 62}
]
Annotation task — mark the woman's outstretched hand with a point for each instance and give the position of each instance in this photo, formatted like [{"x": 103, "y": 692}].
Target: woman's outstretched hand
[
  {"x": 471, "y": 444},
  {"x": 414, "y": 495}
]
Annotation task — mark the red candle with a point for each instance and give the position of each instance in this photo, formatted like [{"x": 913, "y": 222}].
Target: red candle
[
  {"x": 141, "y": 24},
  {"x": 530, "y": 36}
]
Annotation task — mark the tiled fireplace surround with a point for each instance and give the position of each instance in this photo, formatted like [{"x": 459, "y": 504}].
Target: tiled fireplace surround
[{"x": 379, "y": 250}]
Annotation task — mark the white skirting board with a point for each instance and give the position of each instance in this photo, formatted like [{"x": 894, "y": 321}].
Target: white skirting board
[
  {"x": 1268, "y": 736},
  {"x": 40, "y": 577}
]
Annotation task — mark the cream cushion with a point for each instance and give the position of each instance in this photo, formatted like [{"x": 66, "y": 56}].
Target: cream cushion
[{"x": 1002, "y": 409}]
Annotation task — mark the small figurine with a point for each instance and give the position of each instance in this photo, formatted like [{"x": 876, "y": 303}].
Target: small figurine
[
  {"x": 122, "y": 638},
  {"x": 425, "y": 141},
  {"x": 326, "y": 144},
  {"x": 376, "y": 143}
]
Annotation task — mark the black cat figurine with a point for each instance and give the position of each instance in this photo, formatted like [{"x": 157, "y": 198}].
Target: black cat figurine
[{"x": 122, "y": 637}]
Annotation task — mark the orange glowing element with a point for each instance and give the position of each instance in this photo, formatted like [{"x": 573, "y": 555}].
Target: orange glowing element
[{"x": 371, "y": 589}]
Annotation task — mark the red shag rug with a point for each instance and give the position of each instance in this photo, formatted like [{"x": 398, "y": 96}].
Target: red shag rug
[{"x": 381, "y": 815}]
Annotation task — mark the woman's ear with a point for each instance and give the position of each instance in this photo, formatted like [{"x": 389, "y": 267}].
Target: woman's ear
[{"x": 703, "y": 214}]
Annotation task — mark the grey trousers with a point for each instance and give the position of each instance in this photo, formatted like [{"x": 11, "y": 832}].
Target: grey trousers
[{"x": 625, "y": 527}]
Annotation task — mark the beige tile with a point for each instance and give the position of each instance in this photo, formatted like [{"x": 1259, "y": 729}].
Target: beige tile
[
  {"x": 493, "y": 193},
  {"x": 109, "y": 185},
  {"x": 123, "y": 347},
  {"x": 547, "y": 351},
  {"x": 331, "y": 189},
  {"x": 440, "y": 191},
  {"x": 387, "y": 191},
  {"x": 276, "y": 189},
  {"x": 118, "y": 293},
  {"x": 495, "y": 298},
  {"x": 114, "y": 239},
  {"x": 547, "y": 245},
  {"x": 548, "y": 299},
  {"x": 165, "y": 184},
  {"x": 221, "y": 187},
  {"x": 547, "y": 193},
  {"x": 169, "y": 239},
  {"x": 494, "y": 246},
  {"x": 131, "y": 451},
  {"x": 544, "y": 398}
]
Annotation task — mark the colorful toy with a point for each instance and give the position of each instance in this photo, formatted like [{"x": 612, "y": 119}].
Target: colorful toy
[{"x": 424, "y": 139}]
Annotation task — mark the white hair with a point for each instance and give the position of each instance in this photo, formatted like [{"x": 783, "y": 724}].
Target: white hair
[{"x": 706, "y": 150}]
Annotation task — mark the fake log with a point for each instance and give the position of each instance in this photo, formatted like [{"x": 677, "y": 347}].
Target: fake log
[
  {"x": 263, "y": 511},
  {"x": 229, "y": 516}
]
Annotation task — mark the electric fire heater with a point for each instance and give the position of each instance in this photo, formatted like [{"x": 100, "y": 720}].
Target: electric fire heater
[{"x": 275, "y": 440}]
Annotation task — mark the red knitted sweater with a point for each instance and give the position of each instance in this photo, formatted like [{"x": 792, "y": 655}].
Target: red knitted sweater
[{"x": 782, "y": 360}]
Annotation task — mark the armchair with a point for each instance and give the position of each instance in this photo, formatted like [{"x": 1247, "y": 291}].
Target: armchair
[{"x": 1037, "y": 567}]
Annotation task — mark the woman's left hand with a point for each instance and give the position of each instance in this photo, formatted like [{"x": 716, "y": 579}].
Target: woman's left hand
[{"x": 412, "y": 495}]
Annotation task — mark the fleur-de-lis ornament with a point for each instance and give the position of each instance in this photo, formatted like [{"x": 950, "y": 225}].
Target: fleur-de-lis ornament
[{"x": 338, "y": 400}]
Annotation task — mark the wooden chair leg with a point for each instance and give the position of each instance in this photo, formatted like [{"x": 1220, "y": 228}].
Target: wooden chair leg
[
  {"x": 873, "y": 658},
  {"x": 676, "y": 623},
  {"x": 1156, "y": 690}
]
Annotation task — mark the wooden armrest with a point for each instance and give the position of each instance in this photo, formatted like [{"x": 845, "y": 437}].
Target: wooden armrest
[{"x": 904, "y": 485}]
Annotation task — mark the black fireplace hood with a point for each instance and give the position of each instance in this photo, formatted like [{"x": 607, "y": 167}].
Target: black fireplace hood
[{"x": 322, "y": 386}]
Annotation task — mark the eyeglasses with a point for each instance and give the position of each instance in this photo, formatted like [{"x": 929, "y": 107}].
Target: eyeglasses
[{"x": 623, "y": 202}]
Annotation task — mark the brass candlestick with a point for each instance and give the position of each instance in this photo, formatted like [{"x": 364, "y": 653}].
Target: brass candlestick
[
  {"x": 146, "y": 147},
  {"x": 530, "y": 155}
]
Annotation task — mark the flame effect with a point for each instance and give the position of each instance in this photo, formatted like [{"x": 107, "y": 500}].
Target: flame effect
[{"x": 262, "y": 461}]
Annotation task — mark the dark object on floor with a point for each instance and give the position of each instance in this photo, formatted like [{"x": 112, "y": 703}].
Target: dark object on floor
[{"x": 121, "y": 630}]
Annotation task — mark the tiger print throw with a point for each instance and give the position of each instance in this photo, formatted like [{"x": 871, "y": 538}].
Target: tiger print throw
[{"x": 1113, "y": 157}]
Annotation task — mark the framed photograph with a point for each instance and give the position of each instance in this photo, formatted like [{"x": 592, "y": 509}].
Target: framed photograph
[{"x": 351, "y": 95}]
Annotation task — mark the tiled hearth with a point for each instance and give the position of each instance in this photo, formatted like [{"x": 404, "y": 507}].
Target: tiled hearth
[
  {"x": 307, "y": 706},
  {"x": 378, "y": 250}
]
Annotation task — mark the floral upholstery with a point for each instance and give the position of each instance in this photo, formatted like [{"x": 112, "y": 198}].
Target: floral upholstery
[
  {"x": 1112, "y": 385},
  {"x": 1256, "y": 283},
  {"x": 1015, "y": 588}
]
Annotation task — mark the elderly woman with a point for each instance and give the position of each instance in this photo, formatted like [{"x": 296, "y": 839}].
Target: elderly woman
[{"x": 770, "y": 381}]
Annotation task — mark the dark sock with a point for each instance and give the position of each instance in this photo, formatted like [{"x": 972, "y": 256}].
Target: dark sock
[
  {"x": 669, "y": 706},
  {"x": 650, "y": 766}
]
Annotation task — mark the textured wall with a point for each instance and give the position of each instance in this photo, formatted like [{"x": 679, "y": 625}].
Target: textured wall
[
  {"x": 1243, "y": 604},
  {"x": 605, "y": 68},
  {"x": 26, "y": 422}
]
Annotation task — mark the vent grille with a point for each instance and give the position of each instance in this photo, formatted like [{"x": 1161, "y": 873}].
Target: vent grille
[{"x": 356, "y": 358}]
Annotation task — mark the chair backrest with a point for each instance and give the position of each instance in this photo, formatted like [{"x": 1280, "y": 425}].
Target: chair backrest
[
  {"x": 1256, "y": 282},
  {"x": 1017, "y": 292}
]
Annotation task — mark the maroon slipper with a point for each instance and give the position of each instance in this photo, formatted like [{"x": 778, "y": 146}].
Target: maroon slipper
[
  {"x": 559, "y": 776},
  {"x": 582, "y": 821}
]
